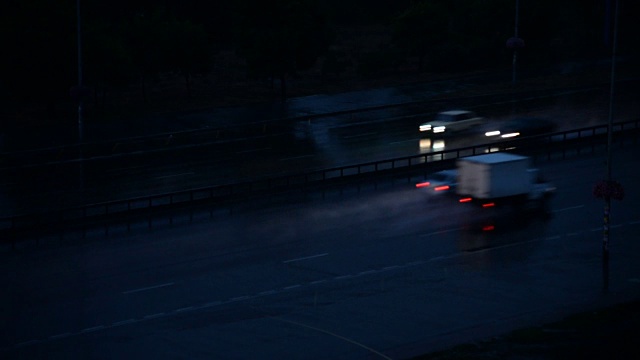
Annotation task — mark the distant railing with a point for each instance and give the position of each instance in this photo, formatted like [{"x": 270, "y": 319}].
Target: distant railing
[
  {"x": 545, "y": 147},
  {"x": 170, "y": 141}
]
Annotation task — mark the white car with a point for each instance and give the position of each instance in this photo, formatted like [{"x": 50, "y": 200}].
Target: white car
[
  {"x": 452, "y": 121},
  {"x": 443, "y": 181}
]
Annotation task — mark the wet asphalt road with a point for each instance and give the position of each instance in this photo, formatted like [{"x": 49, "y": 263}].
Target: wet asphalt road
[{"x": 386, "y": 273}]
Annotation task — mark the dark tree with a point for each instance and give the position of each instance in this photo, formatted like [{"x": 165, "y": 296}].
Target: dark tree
[
  {"x": 189, "y": 53},
  {"x": 279, "y": 37},
  {"x": 421, "y": 29}
]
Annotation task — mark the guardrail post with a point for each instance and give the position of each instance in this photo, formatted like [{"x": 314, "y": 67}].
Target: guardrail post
[
  {"x": 170, "y": 209},
  {"x": 190, "y": 206},
  {"x": 13, "y": 234},
  {"x": 84, "y": 223},
  {"x": 580, "y": 137},
  {"x": 106, "y": 222},
  {"x": 58, "y": 227}
]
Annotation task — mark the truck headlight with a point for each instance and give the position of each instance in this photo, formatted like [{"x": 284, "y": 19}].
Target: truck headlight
[{"x": 439, "y": 129}]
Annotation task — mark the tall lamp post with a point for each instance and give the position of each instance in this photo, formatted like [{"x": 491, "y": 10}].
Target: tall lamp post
[
  {"x": 80, "y": 90},
  {"x": 608, "y": 196},
  {"x": 515, "y": 43}
]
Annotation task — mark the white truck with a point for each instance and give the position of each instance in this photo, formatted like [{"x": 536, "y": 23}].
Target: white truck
[{"x": 502, "y": 180}]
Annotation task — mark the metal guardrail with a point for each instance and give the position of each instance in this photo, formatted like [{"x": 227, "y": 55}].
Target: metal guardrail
[
  {"x": 546, "y": 147},
  {"x": 232, "y": 132}
]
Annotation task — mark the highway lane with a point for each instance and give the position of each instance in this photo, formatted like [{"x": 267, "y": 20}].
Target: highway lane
[
  {"x": 305, "y": 145},
  {"x": 347, "y": 274}
]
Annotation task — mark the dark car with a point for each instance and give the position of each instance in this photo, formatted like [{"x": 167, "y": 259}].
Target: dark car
[{"x": 520, "y": 127}]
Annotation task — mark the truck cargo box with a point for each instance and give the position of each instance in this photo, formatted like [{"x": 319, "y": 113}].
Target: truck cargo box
[{"x": 495, "y": 175}]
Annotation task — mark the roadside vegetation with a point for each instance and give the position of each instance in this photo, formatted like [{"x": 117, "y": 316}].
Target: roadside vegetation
[{"x": 165, "y": 55}]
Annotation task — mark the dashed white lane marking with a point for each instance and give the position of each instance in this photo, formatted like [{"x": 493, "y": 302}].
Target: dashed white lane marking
[
  {"x": 147, "y": 288},
  {"x": 296, "y": 157},
  {"x": 273, "y": 292},
  {"x": 124, "y": 322},
  {"x": 305, "y": 258},
  {"x": 92, "y": 329},
  {"x": 153, "y": 316},
  {"x": 438, "y": 232},
  {"x": 359, "y": 135},
  {"x": 402, "y": 141},
  {"x": 415, "y": 263},
  {"x": 343, "y": 277},
  {"x": 568, "y": 208},
  {"x": 253, "y": 150},
  {"x": 28, "y": 342},
  {"x": 367, "y": 272},
  {"x": 174, "y": 175}
]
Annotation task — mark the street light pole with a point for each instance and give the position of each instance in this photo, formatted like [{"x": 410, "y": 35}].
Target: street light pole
[
  {"x": 80, "y": 100},
  {"x": 607, "y": 198},
  {"x": 515, "y": 36}
]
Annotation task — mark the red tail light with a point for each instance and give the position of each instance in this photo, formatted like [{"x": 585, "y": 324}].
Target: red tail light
[
  {"x": 423, "y": 184},
  {"x": 488, "y": 228},
  {"x": 442, "y": 188},
  {"x": 488, "y": 205},
  {"x": 464, "y": 200}
]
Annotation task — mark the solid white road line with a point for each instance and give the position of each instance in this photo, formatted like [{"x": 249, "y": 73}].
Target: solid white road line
[{"x": 147, "y": 288}]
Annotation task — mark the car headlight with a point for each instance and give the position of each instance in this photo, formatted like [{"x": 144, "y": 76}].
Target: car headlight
[
  {"x": 439, "y": 129},
  {"x": 509, "y": 135},
  {"x": 426, "y": 127},
  {"x": 492, "y": 133}
]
